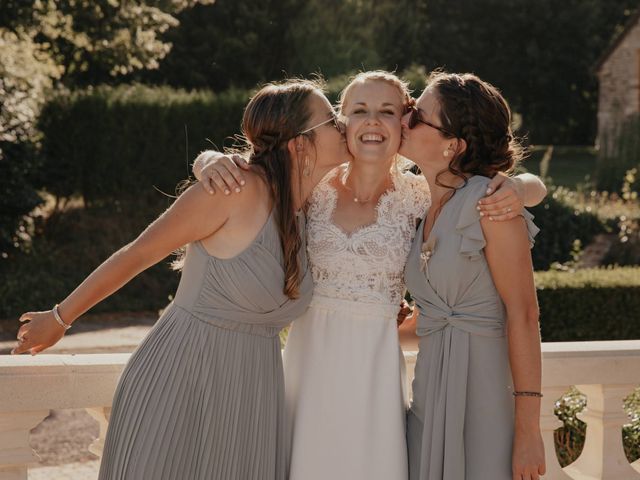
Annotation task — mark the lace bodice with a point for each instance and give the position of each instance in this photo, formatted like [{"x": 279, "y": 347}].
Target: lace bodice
[{"x": 366, "y": 265}]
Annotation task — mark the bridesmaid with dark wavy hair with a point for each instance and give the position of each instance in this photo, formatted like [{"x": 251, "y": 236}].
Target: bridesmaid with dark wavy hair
[
  {"x": 475, "y": 412},
  {"x": 202, "y": 397}
]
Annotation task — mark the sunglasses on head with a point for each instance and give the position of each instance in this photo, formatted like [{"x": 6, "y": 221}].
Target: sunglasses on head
[{"x": 415, "y": 118}]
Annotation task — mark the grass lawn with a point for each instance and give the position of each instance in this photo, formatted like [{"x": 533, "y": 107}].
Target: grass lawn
[{"x": 569, "y": 165}]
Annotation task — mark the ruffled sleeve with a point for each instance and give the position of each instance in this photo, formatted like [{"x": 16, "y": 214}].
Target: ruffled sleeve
[{"x": 468, "y": 226}]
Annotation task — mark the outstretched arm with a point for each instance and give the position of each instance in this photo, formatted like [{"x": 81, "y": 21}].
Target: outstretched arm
[{"x": 194, "y": 215}]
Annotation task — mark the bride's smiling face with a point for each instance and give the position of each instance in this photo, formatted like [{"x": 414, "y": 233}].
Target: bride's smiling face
[{"x": 372, "y": 111}]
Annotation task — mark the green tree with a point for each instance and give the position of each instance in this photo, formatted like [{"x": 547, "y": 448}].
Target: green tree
[
  {"x": 541, "y": 55},
  {"x": 46, "y": 43},
  {"x": 229, "y": 43}
]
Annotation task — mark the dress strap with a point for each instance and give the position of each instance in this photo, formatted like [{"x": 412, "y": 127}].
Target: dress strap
[{"x": 324, "y": 198}]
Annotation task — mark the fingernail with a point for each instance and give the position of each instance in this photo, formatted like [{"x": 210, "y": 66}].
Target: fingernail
[
  {"x": 241, "y": 182},
  {"x": 491, "y": 218},
  {"x": 482, "y": 214},
  {"x": 227, "y": 192},
  {"x": 237, "y": 190},
  {"x": 210, "y": 192},
  {"x": 479, "y": 202},
  {"x": 488, "y": 191},
  {"x": 478, "y": 208}
]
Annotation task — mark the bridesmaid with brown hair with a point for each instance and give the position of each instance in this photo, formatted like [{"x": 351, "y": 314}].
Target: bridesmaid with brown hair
[
  {"x": 475, "y": 412},
  {"x": 202, "y": 397}
]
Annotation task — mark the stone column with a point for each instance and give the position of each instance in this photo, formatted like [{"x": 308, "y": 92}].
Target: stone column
[
  {"x": 549, "y": 423},
  {"x": 102, "y": 415},
  {"x": 603, "y": 454},
  {"x": 16, "y": 455}
]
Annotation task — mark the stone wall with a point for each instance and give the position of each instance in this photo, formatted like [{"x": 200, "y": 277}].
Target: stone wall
[{"x": 619, "y": 79}]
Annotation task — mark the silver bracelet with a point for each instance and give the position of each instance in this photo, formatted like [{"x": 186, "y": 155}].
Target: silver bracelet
[
  {"x": 56, "y": 314},
  {"x": 527, "y": 394}
]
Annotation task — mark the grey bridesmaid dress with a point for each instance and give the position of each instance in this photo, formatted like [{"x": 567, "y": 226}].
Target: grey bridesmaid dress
[
  {"x": 460, "y": 424},
  {"x": 202, "y": 397}
]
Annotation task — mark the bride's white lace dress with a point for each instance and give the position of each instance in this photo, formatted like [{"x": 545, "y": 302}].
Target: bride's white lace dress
[{"x": 344, "y": 370}]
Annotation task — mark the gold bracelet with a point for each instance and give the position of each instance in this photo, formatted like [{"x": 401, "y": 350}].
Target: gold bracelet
[
  {"x": 527, "y": 394},
  {"x": 56, "y": 314}
]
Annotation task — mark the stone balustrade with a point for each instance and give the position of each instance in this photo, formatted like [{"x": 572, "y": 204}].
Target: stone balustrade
[{"x": 606, "y": 372}]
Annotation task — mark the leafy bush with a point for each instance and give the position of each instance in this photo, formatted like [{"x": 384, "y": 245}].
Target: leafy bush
[
  {"x": 68, "y": 246},
  {"x": 26, "y": 78},
  {"x": 569, "y": 438},
  {"x": 561, "y": 224},
  {"x": 18, "y": 198}
]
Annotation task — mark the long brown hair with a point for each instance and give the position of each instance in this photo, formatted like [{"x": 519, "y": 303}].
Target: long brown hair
[
  {"x": 276, "y": 114},
  {"x": 475, "y": 111}
]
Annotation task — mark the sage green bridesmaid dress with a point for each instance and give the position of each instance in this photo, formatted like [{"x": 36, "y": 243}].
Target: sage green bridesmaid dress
[
  {"x": 460, "y": 424},
  {"x": 202, "y": 397}
]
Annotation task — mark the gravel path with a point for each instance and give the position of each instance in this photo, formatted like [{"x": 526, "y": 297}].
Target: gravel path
[{"x": 64, "y": 437}]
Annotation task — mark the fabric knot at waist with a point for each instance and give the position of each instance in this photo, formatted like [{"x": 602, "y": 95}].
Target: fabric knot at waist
[{"x": 434, "y": 318}]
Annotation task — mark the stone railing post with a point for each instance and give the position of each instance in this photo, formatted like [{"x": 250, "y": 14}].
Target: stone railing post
[
  {"x": 16, "y": 455},
  {"x": 101, "y": 414},
  {"x": 603, "y": 454},
  {"x": 549, "y": 423},
  {"x": 30, "y": 387}
]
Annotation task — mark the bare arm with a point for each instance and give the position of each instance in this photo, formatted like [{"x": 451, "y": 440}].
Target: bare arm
[
  {"x": 509, "y": 260},
  {"x": 194, "y": 215}
]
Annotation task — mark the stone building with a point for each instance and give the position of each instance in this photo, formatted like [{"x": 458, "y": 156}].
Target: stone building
[{"x": 618, "y": 72}]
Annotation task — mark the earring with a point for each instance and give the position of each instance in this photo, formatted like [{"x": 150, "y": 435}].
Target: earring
[
  {"x": 306, "y": 171},
  {"x": 446, "y": 153}
]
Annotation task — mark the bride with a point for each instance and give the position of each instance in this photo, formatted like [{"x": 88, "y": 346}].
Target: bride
[{"x": 344, "y": 381}]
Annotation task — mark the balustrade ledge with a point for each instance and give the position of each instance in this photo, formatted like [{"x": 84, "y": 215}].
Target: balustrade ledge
[{"x": 605, "y": 371}]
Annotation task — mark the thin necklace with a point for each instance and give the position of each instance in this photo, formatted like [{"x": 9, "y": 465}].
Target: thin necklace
[{"x": 345, "y": 177}]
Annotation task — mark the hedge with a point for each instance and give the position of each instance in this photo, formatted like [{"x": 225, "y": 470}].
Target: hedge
[
  {"x": 116, "y": 143},
  {"x": 72, "y": 244},
  {"x": 590, "y": 304}
]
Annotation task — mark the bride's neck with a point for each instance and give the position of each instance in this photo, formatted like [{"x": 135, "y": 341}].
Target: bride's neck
[{"x": 367, "y": 178}]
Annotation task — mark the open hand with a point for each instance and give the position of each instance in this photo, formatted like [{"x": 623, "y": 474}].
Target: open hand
[
  {"x": 504, "y": 200},
  {"x": 39, "y": 332},
  {"x": 405, "y": 312},
  {"x": 528, "y": 456},
  {"x": 222, "y": 171}
]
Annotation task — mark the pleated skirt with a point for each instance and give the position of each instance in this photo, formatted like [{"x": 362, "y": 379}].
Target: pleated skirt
[{"x": 197, "y": 402}]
